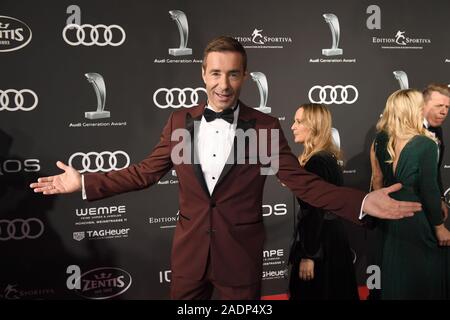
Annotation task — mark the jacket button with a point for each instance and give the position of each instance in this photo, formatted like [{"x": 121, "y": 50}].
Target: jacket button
[{"x": 213, "y": 204}]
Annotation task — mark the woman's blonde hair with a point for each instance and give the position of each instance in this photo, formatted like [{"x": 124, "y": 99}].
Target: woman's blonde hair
[
  {"x": 402, "y": 118},
  {"x": 317, "y": 118}
]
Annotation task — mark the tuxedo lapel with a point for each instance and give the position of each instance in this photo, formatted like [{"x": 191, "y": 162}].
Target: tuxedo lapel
[
  {"x": 243, "y": 123},
  {"x": 192, "y": 124},
  {"x": 437, "y": 131}
]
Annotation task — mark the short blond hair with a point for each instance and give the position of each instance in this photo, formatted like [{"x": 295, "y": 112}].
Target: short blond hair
[{"x": 435, "y": 87}]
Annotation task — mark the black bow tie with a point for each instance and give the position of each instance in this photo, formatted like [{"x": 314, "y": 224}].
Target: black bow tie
[
  {"x": 227, "y": 115},
  {"x": 432, "y": 129}
]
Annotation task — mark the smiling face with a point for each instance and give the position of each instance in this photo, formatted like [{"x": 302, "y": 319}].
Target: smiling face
[
  {"x": 299, "y": 129},
  {"x": 224, "y": 75},
  {"x": 435, "y": 109}
]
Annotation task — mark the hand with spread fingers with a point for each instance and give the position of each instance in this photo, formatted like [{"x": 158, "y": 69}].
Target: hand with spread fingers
[
  {"x": 67, "y": 182},
  {"x": 378, "y": 204}
]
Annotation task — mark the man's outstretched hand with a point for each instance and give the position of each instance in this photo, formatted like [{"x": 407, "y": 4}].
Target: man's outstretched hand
[
  {"x": 67, "y": 182},
  {"x": 378, "y": 204}
]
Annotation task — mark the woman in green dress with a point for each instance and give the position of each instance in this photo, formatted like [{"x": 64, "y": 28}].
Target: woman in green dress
[{"x": 412, "y": 264}]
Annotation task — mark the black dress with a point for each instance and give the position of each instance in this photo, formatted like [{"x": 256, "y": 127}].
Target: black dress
[{"x": 321, "y": 236}]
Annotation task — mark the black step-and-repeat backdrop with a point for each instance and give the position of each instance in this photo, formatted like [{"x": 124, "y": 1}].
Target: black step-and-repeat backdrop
[{"x": 92, "y": 83}]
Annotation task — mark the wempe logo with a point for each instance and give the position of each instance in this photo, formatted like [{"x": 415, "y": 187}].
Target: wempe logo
[
  {"x": 273, "y": 257},
  {"x": 401, "y": 40},
  {"x": 101, "y": 215},
  {"x": 14, "y": 34},
  {"x": 112, "y": 210},
  {"x": 261, "y": 40}
]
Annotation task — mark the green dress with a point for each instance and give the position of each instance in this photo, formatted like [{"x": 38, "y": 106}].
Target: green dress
[{"x": 412, "y": 264}]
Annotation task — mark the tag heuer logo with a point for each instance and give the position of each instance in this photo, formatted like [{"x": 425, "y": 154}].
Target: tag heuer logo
[{"x": 78, "y": 235}]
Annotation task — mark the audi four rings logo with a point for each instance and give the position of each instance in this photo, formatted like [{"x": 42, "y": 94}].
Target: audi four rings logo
[
  {"x": 19, "y": 97},
  {"x": 19, "y": 229},
  {"x": 95, "y": 161},
  {"x": 94, "y": 35},
  {"x": 333, "y": 94},
  {"x": 175, "y": 98}
]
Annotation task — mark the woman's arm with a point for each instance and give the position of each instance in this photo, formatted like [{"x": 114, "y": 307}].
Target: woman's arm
[{"x": 377, "y": 175}]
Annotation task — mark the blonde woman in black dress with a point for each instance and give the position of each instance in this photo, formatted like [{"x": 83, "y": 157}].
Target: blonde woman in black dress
[{"x": 321, "y": 258}]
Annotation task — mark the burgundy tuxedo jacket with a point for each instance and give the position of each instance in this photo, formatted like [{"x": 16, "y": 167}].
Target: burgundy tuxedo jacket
[{"x": 228, "y": 225}]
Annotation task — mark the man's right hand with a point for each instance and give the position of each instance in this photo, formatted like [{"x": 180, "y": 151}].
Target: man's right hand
[
  {"x": 67, "y": 182},
  {"x": 378, "y": 204}
]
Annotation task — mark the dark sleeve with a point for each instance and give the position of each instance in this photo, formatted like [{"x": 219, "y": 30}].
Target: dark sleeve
[
  {"x": 429, "y": 192},
  {"x": 310, "y": 227},
  {"x": 135, "y": 177},
  {"x": 344, "y": 202},
  {"x": 319, "y": 165}
]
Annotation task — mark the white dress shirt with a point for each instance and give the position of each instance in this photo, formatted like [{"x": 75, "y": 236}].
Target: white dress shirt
[{"x": 213, "y": 144}]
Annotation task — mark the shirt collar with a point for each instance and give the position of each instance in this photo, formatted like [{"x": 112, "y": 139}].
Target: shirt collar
[{"x": 236, "y": 107}]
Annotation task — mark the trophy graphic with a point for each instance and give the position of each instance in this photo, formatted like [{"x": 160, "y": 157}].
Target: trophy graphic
[
  {"x": 402, "y": 78},
  {"x": 336, "y": 138},
  {"x": 183, "y": 28},
  {"x": 333, "y": 23},
  {"x": 100, "y": 91},
  {"x": 261, "y": 81}
]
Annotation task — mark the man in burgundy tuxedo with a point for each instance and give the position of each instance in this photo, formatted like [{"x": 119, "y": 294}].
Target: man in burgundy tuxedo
[{"x": 218, "y": 241}]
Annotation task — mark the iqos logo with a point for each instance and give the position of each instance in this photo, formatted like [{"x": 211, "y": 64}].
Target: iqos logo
[
  {"x": 278, "y": 209},
  {"x": 99, "y": 161},
  {"x": 165, "y": 276},
  {"x": 15, "y": 166}
]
